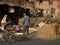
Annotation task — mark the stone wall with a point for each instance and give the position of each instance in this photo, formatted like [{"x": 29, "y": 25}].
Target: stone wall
[{"x": 58, "y": 6}]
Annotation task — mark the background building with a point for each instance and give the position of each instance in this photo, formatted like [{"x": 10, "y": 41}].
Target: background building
[{"x": 53, "y": 5}]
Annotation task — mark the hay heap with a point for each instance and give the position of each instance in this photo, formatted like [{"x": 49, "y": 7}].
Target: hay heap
[{"x": 48, "y": 31}]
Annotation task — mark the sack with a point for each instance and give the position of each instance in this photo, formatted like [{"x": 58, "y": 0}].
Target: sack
[{"x": 41, "y": 24}]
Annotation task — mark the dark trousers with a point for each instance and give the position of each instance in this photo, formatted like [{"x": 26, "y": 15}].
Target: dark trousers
[{"x": 26, "y": 29}]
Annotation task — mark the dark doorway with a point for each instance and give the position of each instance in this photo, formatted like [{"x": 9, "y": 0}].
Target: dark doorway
[{"x": 18, "y": 13}]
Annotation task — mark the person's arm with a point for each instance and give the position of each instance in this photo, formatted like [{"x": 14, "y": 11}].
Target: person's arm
[{"x": 23, "y": 21}]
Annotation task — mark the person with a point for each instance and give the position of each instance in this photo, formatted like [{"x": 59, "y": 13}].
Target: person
[
  {"x": 16, "y": 28},
  {"x": 3, "y": 24},
  {"x": 26, "y": 23}
]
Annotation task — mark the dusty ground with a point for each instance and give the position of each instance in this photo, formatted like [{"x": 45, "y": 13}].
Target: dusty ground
[{"x": 33, "y": 42}]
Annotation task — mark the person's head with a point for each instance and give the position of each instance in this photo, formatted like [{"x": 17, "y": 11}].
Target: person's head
[
  {"x": 24, "y": 14},
  {"x": 5, "y": 15}
]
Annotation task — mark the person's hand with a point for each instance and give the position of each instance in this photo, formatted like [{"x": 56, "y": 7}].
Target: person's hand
[{"x": 9, "y": 22}]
